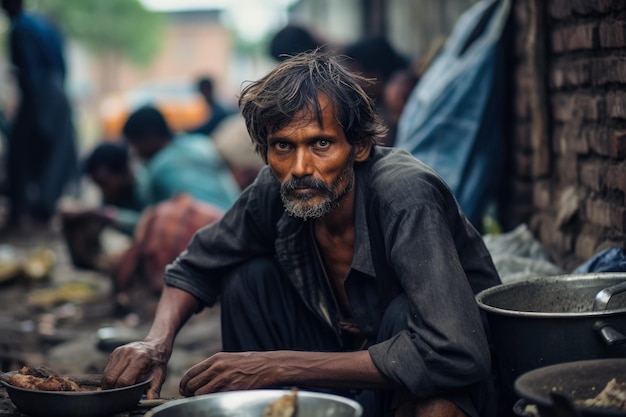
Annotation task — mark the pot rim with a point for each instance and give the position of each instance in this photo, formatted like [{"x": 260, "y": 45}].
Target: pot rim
[{"x": 510, "y": 286}]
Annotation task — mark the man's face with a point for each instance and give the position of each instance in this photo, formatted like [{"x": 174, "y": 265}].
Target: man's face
[
  {"x": 116, "y": 188},
  {"x": 313, "y": 163}
]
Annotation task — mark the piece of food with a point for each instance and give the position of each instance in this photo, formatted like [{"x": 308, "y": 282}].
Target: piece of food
[
  {"x": 39, "y": 371},
  {"x": 42, "y": 379},
  {"x": 51, "y": 383},
  {"x": 285, "y": 406},
  {"x": 612, "y": 396}
]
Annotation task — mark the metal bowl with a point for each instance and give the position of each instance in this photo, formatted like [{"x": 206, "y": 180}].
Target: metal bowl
[
  {"x": 252, "y": 403},
  {"x": 574, "y": 381},
  {"x": 76, "y": 404}
]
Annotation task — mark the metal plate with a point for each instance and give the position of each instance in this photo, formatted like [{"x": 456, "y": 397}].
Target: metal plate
[
  {"x": 76, "y": 404},
  {"x": 252, "y": 403}
]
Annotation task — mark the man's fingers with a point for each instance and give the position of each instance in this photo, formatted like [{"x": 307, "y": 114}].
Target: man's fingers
[
  {"x": 190, "y": 374},
  {"x": 113, "y": 370},
  {"x": 158, "y": 377}
]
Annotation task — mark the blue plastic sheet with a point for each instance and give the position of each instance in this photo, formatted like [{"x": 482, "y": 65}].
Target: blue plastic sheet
[
  {"x": 453, "y": 118},
  {"x": 608, "y": 260}
]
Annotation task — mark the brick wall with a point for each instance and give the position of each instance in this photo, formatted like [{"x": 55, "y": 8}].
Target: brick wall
[{"x": 569, "y": 129}]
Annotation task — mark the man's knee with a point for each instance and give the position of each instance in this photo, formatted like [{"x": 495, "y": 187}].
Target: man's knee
[{"x": 250, "y": 279}]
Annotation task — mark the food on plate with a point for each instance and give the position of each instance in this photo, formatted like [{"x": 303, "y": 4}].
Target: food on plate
[
  {"x": 285, "y": 406},
  {"x": 44, "y": 379},
  {"x": 612, "y": 396}
]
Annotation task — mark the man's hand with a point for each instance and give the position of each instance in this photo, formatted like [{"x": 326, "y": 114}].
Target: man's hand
[
  {"x": 231, "y": 371},
  {"x": 136, "y": 362},
  {"x": 254, "y": 370}
]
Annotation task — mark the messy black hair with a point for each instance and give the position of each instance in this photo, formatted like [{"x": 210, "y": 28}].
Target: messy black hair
[
  {"x": 112, "y": 156},
  {"x": 272, "y": 102},
  {"x": 146, "y": 121}
]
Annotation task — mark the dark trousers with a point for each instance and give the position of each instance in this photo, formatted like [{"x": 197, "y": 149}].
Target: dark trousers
[
  {"x": 261, "y": 311},
  {"x": 42, "y": 154}
]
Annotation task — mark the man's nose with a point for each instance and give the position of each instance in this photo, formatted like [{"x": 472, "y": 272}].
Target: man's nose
[{"x": 303, "y": 164}]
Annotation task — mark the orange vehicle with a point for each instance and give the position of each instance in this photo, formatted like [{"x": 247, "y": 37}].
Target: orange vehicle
[{"x": 181, "y": 105}]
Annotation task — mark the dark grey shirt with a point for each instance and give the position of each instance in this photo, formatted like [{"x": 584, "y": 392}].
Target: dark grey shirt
[{"x": 410, "y": 237}]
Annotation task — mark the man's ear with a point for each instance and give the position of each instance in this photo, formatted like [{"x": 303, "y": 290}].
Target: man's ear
[{"x": 362, "y": 150}]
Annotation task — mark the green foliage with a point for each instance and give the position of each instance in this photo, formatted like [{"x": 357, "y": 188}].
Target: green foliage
[{"x": 114, "y": 26}]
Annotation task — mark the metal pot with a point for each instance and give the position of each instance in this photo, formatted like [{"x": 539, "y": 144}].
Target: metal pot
[
  {"x": 556, "y": 388},
  {"x": 252, "y": 403},
  {"x": 551, "y": 320}
]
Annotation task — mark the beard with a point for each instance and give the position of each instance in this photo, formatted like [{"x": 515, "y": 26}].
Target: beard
[{"x": 299, "y": 205}]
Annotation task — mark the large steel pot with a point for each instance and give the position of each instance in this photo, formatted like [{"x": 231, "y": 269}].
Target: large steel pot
[{"x": 550, "y": 320}]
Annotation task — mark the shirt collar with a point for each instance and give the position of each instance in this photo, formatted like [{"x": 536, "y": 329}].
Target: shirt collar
[{"x": 362, "y": 260}]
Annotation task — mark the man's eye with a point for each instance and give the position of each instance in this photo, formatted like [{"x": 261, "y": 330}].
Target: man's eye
[
  {"x": 323, "y": 143},
  {"x": 281, "y": 145}
]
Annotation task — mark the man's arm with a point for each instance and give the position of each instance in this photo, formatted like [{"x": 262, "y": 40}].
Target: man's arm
[
  {"x": 139, "y": 360},
  {"x": 253, "y": 370}
]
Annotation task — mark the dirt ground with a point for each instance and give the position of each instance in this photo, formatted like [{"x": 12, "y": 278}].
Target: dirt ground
[{"x": 68, "y": 320}]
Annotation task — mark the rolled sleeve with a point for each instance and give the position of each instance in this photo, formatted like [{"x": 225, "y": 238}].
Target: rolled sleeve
[
  {"x": 245, "y": 231},
  {"x": 445, "y": 345}
]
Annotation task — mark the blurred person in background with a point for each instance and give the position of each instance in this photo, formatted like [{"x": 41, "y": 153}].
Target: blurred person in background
[
  {"x": 391, "y": 77},
  {"x": 376, "y": 59},
  {"x": 177, "y": 163},
  {"x": 394, "y": 97},
  {"x": 182, "y": 185},
  {"x": 42, "y": 154},
  {"x": 217, "y": 111},
  {"x": 292, "y": 40}
]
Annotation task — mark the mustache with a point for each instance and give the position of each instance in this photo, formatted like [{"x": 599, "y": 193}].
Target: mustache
[{"x": 305, "y": 182}]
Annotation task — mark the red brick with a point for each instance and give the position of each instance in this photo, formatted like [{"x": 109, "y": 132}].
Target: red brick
[
  {"x": 598, "y": 139},
  {"x": 586, "y": 245},
  {"x": 616, "y": 177},
  {"x": 605, "y": 6},
  {"x": 612, "y": 35},
  {"x": 542, "y": 196},
  {"x": 607, "y": 70},
  {"x": 618, "y": 218},
  {"x": 571, "y": 139},
  {"x": 570, "y": 73},
  {"x": 592, "y": 174},
  {"x": 618, "y": 145},
  {"x": 616, "y": 105},
  {"x": 560, "y": 9},
  {"x": 599, "y": 212},
  {"x": 574, "y": 38},
  {"x": 567, "y": 106},
  {"x": 562, "y": 240},
  {"x": 567, "y": 170},
  {"x": 582, "y": 7}
]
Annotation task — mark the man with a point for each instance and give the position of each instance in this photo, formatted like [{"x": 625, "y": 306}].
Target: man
[
  {"x": 183, "y": 185},
  {"x": 42, "y": 155},
  {"x": 344, "y": 267},
  {"x": 218, "y": 112},
  {"x": 177, "y": 163}
]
